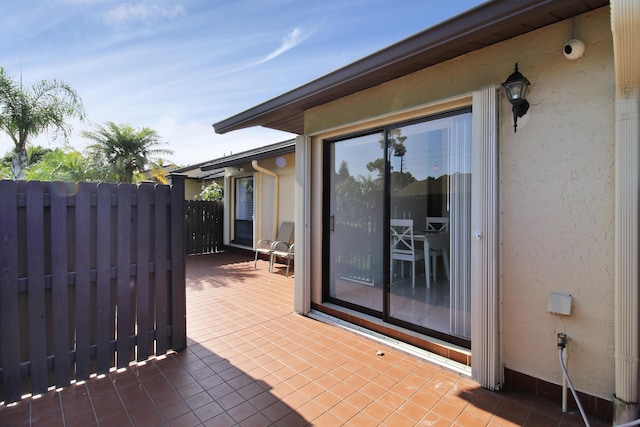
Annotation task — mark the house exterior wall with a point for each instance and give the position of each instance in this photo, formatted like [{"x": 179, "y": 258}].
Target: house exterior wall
[
  {"x": 266, "y": 214},
  {"x": 191, "y": 189},
  {"x": 270, "y": 218},
  {"x": 556, "y": 188}
]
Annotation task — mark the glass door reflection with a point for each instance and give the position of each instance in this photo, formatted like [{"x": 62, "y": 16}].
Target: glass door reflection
[{"x": 430, "y": 184}]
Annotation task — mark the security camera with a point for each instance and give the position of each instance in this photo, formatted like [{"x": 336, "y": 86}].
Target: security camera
[{"x": 573, "y": 49}]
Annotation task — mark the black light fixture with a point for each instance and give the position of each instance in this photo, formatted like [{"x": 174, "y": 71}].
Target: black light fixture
[{"x": 516, "y": 87}]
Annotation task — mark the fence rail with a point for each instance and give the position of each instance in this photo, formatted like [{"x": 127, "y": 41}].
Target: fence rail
[{"x": 92, "y": 276}]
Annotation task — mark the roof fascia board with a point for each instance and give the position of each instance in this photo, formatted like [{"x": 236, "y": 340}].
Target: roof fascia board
[{"x": 239, "y": 159}]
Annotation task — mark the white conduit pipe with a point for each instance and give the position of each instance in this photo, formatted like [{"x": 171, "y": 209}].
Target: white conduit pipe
[
  {"x": 276, "y": 207},
  {"x": 565, "y": 356},
  {"x": 573, "y": 390},
  {"x": 575, "y": 395}
]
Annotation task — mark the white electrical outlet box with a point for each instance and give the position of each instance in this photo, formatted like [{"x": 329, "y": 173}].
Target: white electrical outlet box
[{"x": 559, "y": 303}]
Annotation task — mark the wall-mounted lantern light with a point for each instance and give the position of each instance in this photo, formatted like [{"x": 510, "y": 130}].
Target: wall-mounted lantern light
[{"x": 516, "y": 87}]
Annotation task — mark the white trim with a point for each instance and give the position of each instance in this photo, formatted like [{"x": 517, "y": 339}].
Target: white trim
[{"x": 485, "y": 298}]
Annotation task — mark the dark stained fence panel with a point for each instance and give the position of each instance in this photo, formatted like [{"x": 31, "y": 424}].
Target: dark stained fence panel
[
  {"x": 60, "y": 283},
  {"x": 124, "y": 234},
  {"x": 205, "y": 226},
  {"x": 92, "y": 276},
  {"x": 9, "y": 291},
  {"x": 161, "y": 255},
  {"x": 143, "y": 290},
  {"x": 83, "y": 303},
  {"x": 178, "y": 269},
  {"x": 36, "y": 291},
  {"x": 104, "y": 305}
]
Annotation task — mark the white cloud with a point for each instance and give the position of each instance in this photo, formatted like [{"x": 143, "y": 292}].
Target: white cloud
[
  {"x": 291, "y": 40},
  {"x": 127, "y": 13}
]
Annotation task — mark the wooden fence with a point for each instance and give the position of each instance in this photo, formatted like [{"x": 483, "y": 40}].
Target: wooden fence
[
  {"x": 204, "y": 226},
  {"x": 92, "y": 276}
]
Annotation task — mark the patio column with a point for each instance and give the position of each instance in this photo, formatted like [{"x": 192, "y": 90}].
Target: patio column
[
  {"x": 302, "y": 283},
  {"x": 625, "y": 20}
]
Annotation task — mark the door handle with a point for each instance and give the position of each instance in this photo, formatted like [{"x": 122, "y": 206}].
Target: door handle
[{"x": 332, "y": 223}]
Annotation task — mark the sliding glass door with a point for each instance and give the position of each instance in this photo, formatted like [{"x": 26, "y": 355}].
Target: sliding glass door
[
  {"x": 243, "y": 211},
  {"x": 355, "y": 223},
  {"x": 417, "y": 175}
]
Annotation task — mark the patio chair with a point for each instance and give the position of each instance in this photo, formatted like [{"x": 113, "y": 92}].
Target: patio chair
[
  {"x": 280, "y": 250},
  {"x": 436, "y": 224},
  {"x": 284, "y": 239},
  {"x": 403, "y": 246}
]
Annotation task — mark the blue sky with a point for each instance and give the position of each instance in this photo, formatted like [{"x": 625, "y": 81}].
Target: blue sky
[{"x": 178, "y": 66}]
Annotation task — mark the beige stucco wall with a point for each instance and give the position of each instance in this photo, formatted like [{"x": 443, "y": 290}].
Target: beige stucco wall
[
  {"x": 266, "y": 227},
  {"x": 265, "y": 213},
  {"x": 556, "y": 188},
  {"x": 191, "y": 189}
]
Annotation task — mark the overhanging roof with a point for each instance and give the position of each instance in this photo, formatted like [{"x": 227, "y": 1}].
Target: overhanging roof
[
  {"x": 212, "y": 168},
  {"x": 484, "y": 25}
]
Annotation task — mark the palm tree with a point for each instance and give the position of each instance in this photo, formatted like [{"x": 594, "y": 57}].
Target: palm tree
[
  {"x": 25, "y": 113},
  {"x": 159, "y": 169},
  {"x": 125, "y": 149}
]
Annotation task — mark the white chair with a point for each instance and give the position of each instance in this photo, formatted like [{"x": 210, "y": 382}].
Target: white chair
[
  {"x": 403, "y": 246},
  {"x": 438, "y": 247}
]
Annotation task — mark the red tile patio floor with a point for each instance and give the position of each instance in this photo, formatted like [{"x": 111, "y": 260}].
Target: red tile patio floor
[{"x": 251, "y": 361}]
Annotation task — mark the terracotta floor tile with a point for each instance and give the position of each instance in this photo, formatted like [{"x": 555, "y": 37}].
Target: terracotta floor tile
[
  {"x": 310, "y": 410},
  {"x": 117, "y": 419},
  {"x": 220, "y": 390},
  {"x": 311, "y": 390},
  {"x": 327, "y": 419},
  {"x": 263, "y": 400},
  {"x": 186, "y": 420},
  {"x": 199, "y": 400},
  {"x": 174, "y": 411},
  {"x": 467, "y": 419},
  {"x": 342, "y": 390},
  {"x": 447, "y": 410},
  {"x": 378, "y": 411},
  {"x": 362, "y": 419},
  {"x": 276, "y": 411},
  {"x": 255, "y": 420},
  {"x": 434, "y": 420},
  {"x": 391, "y": 399},
  {"x": 107, "y": 408},
  {"x": 344, "y": 411},
  {"x": 359, "y": 399},
  {"x": 292, "y": 419},
  {"x": 242, "y": 411},
  {"x": 412, "y": 411},
  {"x": 398, "y": 420},
  {"x": 373, "y": 390},
  {"x": 221, "y": 420},
  {"x": 148, "y": 416},
  {"x": 208, "y": 411}
]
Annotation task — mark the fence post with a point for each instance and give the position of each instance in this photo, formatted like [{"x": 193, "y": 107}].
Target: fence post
[{"x": 178, "y": 259}]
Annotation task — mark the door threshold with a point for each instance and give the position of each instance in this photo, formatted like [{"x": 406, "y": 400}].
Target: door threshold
[{"x": 428, "y": 356}]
